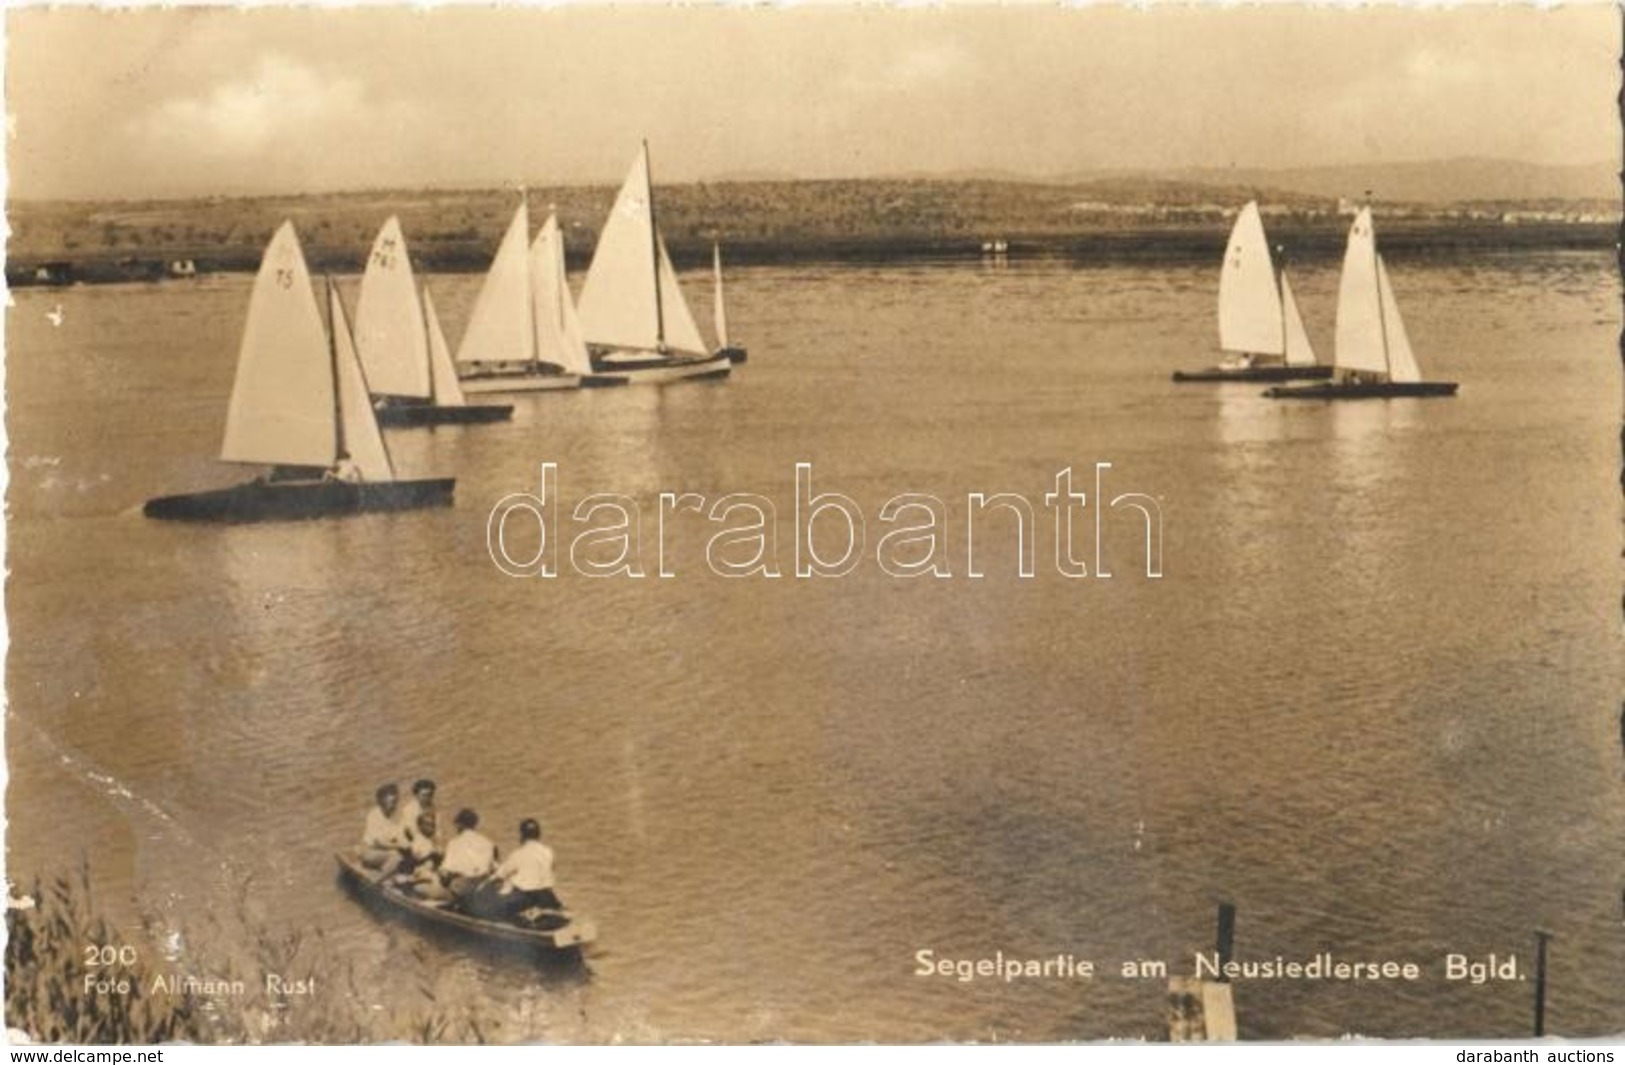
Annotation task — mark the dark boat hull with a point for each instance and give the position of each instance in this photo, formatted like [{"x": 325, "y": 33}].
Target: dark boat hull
[
  {"x": 482, "y": 383},
  {"x": 570, "y": 936},
  {"x": 299, "y": 500},
  {"x": 486, "y": 382},
  {"x": 1255, "y": 373},
  {"x": 736, "y": 355},
  {"x": 661, "y": 370},
  {"x": 403, "y": 416},
  {"x": 1369, "y": 390}
]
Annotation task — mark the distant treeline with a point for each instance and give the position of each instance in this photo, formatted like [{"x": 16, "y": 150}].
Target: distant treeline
[{"x": 757, "y": 222}]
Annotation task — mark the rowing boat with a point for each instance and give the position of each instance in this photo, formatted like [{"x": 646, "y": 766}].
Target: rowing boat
[{"x": 554, "y": 930}]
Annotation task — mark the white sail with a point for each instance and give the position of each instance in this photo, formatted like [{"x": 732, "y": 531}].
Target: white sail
[
  {"x": 1360, "y": 342},
  {"x": 389, "y": 322},
  {"x": 499, "y": 328},
  {"x": 719, "y": 309},
  {"x": 1299, "y": 351},
  {"x": 631, "y": 298},
  {"x": 443, "y": 375},
  {"x": 1249, "y": 303},
  {"x": 682, "y": 333},
  {"x": 558, "y": 329},
  {"x": 618, "y": 301},
  {"x": 572, "y": 342},
  {"x": 281, "y": 409},
  {"x": 1401, "y": 359},
  {"x": 361, "y": 445}
]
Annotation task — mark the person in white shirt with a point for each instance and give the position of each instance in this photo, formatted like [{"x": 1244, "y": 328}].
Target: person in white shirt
[
  {"x": 423, "y": 849},
  {"x": 469, "y": 857},
  {"x": 523, "y": 881},
  {"x": 382, "y": 841},
  {"x": 421, "y": 802}
]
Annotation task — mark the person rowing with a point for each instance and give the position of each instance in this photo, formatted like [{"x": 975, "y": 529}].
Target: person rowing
[
  {"x": 522, "y": 882},
  {"x": 468, "y": 859}
]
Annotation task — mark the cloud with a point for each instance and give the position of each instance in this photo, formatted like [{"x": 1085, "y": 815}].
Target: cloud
[
  {"x": 1430, "y": 68},
  {"x": 278, "y": 122},
  {"x": 930, "y": 64},
  {"x": 280, "y": 99},
  {"x": 921, "y": 67}
]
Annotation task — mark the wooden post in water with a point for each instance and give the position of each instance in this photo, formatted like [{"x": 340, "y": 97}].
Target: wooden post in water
[
  {"x": 1541, "y": 938},
  {"x": 1227, "y": 934},
  {"x": 1204, "y": 1010}
]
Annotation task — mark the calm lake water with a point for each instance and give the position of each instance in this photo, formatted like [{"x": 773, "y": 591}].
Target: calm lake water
[{"x": 1373, "y": 700}]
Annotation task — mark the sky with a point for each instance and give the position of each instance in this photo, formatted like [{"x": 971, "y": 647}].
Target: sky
[{"x": 153, "y": 102}]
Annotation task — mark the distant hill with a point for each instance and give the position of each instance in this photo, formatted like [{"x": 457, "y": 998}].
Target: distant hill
[
  {"x": 1117, "y": 215},
  {"x": 1444, "y": 181}
]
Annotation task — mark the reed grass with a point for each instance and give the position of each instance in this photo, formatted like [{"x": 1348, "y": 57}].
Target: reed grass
[
  {"x": 46, "y": 971},
  {"x": 46, "y": 999}
]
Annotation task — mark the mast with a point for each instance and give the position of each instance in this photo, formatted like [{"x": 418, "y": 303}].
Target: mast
[
  {"x": 719, "y": 309},
  {"x": 654, "y": 250},
  {"x": 1280, "y": 293},
  {"x": 1376, "y": 275},
  {"x": 364, "y": 454},
  {"x": 530, "y": 307},
  {"x": 562, "y": 287},
  {"x": 340, "y": 451},
  {"x": 632, "y": 299}
]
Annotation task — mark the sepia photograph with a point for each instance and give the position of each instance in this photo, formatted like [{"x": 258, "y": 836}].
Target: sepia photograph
[{"x": 668, "y": 524}]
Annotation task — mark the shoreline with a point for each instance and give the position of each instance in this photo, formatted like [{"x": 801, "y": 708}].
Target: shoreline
[
  {"x": 772, "y": 222},
  {"x": 1086, "y": 246}
]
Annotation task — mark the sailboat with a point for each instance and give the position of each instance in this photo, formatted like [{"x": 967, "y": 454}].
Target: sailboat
[
  {"x": 637, "y": 325},
  {"x": 522, "y": 335},
  {"x": 1373, "y": 356},
  {"x": 300, "y": 405},
  {"x": 719, "y": 311},
  {"x": 1260, "y": 329},
  {"x": 410, "y": 373}
]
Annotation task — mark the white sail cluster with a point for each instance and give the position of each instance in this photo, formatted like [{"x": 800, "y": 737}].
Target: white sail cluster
[
  {"x": 631, "y": 299},
  {"x": 1259, "y": 318},
  {"x": 633, "y": 322},
  {"x": 303, "y": 395}
]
